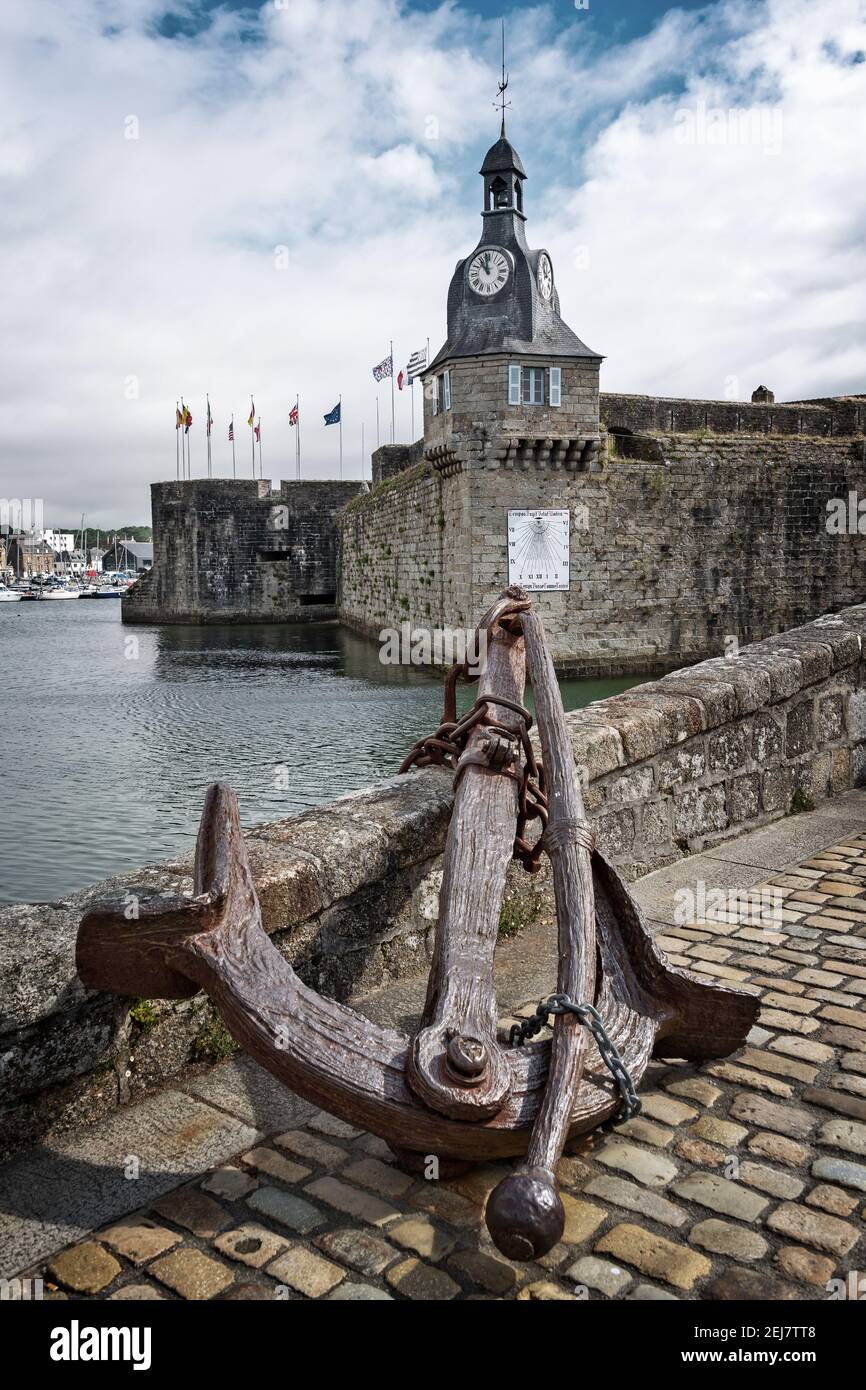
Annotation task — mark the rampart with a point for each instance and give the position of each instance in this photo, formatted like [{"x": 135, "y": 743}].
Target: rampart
[
  {"x": 234, "y": 551},
  {"x": 698, "y": 525}
]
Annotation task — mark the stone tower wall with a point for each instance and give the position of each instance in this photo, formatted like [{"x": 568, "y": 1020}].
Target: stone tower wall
[
  {"x": 234, "y": 551},
  {"x": 704, "y": 539}
]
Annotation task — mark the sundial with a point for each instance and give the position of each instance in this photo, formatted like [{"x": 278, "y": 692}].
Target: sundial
[{"x": 538, "y": 549}]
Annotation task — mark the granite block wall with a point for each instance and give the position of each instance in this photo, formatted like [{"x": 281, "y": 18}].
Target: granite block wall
[
  {"x": 678, "y": 552},
  {"x": 228, "y": 550}
]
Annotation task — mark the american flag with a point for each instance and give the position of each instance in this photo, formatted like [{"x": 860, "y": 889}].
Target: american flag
[
  {"x": 417, "y": 364},
  {"x": 232, "y": 431},
  {"x": 293, "y": 415},
  {"x": 384, "y": 369}
]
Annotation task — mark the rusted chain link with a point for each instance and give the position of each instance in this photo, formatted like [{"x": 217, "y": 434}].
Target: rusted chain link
[
  {"x": 590, "y": 1017},
  {"x": 500, "y": 749}
]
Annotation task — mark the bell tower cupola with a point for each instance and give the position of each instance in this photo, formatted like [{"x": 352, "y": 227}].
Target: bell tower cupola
[
  {"x": 512, "y": 379},
  {"x": 504, "y": 175}
]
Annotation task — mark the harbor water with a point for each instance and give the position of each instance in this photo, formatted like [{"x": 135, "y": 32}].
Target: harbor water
[{"x": 111, "y": 734}]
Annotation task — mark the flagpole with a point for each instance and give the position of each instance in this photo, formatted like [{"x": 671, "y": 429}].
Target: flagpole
[
  {"x": 298, "y": 428},
  {"x": 362, "y": 451},
  {"x": 209, "y": 471},
  {"x": 261, "y": 474},
  {"x": 234, "y": 465},
  {"x": 340, "y": 404},
  {"x": 252, "y": 434},
  {"x": 412, "y": 399},
  {"x": 377, "y": 422},
  {"x": 393, "y": 439},
  {"x": 177, "y": 440}
]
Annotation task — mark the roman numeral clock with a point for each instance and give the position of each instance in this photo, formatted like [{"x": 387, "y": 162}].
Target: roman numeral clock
[{"x": 538, "y": 549}]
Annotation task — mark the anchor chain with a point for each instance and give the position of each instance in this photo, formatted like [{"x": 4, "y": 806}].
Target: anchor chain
[
  {"x": 591, "y": 1018},
  {"x": 499, "y": 751}
]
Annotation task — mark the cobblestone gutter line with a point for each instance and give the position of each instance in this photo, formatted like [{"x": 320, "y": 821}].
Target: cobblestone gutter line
[{"x": 741, "y": 1179}]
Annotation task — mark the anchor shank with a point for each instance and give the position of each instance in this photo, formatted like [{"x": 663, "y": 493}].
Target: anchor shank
[{"x": 457, "y": 1067}]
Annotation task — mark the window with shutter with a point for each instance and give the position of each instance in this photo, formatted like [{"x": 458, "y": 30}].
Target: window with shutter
[
  {"x": 533, "y": 386},
  {"x": 514, "y": 384},
  {"x": 446, "y": 388},
  {"x": 555, "y": 385}
]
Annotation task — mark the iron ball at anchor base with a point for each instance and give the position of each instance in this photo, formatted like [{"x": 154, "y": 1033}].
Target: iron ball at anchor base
[{"x": 525, "y": 1215}]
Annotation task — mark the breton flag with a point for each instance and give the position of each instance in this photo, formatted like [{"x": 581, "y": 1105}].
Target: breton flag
[
  {"x": 333, "y": 416},
  {"x": 384, "y": 369},
  {"x": 178, "y": 418},
  {"x": 400, "y": 380},
  {"x": 187, "y": 418},
  {"x": 258, "y": 431},
  {"x": 417, "y": 364},
  {"x": 209, "y": 419},
  {"x": 293, "y": 415},
  {"x": 252, "y": 412},
  {"x": 232, "y": 431}
]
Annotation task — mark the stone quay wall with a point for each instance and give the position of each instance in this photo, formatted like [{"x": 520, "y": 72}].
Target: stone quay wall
[
  {"x": 349, "y": 891},
  {"x": 236, "y": 551},
  {"x": 682, "y": 542}
]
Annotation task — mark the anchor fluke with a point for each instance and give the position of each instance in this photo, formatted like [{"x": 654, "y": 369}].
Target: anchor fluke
[{"x": 525, "y": 1215}]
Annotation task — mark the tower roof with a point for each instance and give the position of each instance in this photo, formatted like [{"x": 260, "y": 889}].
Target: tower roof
[{"x": 502, "y": 158}]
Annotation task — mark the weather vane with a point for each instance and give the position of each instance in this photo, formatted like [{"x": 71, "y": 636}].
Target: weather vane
[{"x": 500, "y": 103}]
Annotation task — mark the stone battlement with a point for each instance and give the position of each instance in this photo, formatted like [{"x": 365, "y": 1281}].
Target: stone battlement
[{"x": 834, "y": 416}]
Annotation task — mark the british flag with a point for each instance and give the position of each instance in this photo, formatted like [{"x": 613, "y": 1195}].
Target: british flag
[{"x": 293, "y": 415}]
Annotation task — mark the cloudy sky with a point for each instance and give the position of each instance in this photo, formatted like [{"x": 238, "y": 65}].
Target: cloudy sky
[{"x": 201, "y": 196}]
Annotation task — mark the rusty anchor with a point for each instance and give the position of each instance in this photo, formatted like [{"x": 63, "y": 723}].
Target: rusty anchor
[{"x": 451, "y": 1090}]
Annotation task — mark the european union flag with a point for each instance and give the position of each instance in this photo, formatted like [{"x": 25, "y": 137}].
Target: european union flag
[{"x": 333, "y": 416}]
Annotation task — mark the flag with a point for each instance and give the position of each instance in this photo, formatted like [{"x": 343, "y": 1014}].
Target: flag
[
  {"x": 385, "y": 368},
  {"x": 293, "y": 415},
  {"x": 232, "y": 431},
  {"x": 178, "y": 418},
  {"x": 417, "y": 364},
  {"x": 400, "y": 380},
  {"x": 333, "y": 416},
  {"x": 209, "y": 419},
  {"x": 252, "y": 412},
  {"x": 187, "y": 418},
  {"x": 258, "y": 431}
]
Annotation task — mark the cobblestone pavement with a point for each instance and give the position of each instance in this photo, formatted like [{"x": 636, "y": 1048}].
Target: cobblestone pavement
[{"x": 740, "y": 1179}]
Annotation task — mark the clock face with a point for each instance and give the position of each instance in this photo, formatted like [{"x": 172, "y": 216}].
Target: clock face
[
  {"x": 538, "y": 549},
  {"x": 545, "y": 276},
  {"x": 488, "y": 271}
]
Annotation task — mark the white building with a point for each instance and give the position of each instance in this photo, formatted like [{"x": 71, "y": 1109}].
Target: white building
[{"x": 61, "y": 542}]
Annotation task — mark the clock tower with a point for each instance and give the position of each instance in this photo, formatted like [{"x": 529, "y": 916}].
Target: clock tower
[{"x": 512, "y": 386}]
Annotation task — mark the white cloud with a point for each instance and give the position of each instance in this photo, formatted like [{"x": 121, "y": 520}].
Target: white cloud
[{"x": 351, "y": 134}]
